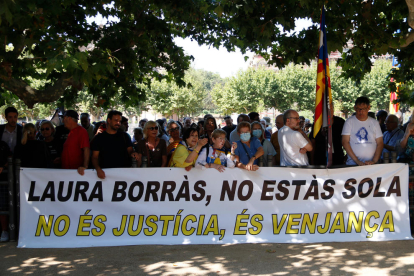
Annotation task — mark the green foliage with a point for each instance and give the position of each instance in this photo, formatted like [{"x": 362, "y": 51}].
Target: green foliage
[
  {"x": 52, "y": 41},
  {"x": 374, "y": 86},
  {"x": 243, "y": 93},
  {"x": 295, "y": 87},
  {"x": 169, "y": 98}
]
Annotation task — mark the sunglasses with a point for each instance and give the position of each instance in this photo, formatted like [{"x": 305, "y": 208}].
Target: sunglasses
[
  {"x": 174, "y": 129},
  {"x": 153, "y": 128},
  {"x": 46, "y": 128}
]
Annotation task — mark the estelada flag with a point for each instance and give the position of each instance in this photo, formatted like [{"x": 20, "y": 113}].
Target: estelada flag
[
  {"x": 323, "y": 91},
  {"x": 393, "y": 96}
]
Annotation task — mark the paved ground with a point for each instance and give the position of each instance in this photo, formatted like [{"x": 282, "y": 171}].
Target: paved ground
[{"x": 363, "y": 258}]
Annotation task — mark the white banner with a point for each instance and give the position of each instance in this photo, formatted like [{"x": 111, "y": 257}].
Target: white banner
[{"x": 60, "y": 208}]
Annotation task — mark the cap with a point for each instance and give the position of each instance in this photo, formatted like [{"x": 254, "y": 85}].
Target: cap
[
  {"x": 71, "y": 113},
  {"x": 382, "y": 113}
]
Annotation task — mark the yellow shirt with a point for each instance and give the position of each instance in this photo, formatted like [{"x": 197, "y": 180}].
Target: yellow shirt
[{"x": 180, "y": 155}]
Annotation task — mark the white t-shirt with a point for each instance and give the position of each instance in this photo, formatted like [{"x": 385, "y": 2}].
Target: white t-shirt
[
  {"x": 291, "y": 142},
  {"x": 362, "y": 138}
]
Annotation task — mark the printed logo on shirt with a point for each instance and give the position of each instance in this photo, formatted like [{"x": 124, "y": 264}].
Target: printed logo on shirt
[
  {"x": 217, "y": 157},
  {"x": 362, "y": 136}
]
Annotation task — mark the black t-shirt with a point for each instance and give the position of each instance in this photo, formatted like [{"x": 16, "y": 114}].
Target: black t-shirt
[
  {"x": 55, "y": 150},
  {"x": 33, "y": 154},
  {"x": 320, "y": 144},
  {"x": 61, "y": 134},
  {"x": 228, "y": 130},
  {"x": 4, "y": 153},
  {"x": 112, "y": 149}
]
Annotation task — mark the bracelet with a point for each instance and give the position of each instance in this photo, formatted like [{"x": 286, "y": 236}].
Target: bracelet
[
  {"x": 196, "y": 150},
  {"x": 254, "y": 157}
]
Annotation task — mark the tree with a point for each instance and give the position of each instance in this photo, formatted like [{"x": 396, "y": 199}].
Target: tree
[
  {"x": 374, "y": 86},
  {"x": 55, "y": 38},
  {"x": 169, "y": 98},
  {"x": 209, "y": 80},
  {"x": 53, "y": 41},
  {"x": 241, "y": 94},
  {"x": 292, "y": 87}
]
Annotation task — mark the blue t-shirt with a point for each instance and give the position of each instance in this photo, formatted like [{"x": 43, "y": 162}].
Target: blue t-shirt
[{"x": 242, "y": 148}]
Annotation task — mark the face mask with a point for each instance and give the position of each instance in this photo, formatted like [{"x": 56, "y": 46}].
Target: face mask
[
  {"x": 245, "y": 136},
  {"x": 257, "y": 133}
]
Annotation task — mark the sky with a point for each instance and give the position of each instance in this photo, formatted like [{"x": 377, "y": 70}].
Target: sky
[
  {"x": 210, "y": 59},
  {"x": 220, "y": 61}
]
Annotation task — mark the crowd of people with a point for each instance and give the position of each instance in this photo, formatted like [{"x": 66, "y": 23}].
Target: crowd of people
[{"x": 360, "y": 140}]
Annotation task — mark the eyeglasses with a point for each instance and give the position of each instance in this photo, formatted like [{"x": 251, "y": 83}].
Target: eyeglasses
[
  {"x": 175, "y": 129},
  {"x": 360, "y": 109},
  {"x": 46, "y": 128},
  {"x": 153, "y": 128},
  {"x": 296, "y": 118}
]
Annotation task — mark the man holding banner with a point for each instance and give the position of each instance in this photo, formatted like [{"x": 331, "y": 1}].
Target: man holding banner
[{"x": 362, "y": 136}]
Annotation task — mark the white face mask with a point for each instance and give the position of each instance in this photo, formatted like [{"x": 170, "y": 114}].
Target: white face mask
[{"x": 245, "y": 136}]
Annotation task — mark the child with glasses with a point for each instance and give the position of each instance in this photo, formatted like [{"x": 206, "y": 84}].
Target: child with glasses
[{"x": 213, "y": 156}]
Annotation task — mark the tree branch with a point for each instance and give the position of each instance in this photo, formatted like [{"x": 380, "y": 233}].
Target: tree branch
[{"x": 30, "y": 96}]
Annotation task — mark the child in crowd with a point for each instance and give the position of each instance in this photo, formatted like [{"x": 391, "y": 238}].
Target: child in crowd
[{"x": 212, "y": 156}]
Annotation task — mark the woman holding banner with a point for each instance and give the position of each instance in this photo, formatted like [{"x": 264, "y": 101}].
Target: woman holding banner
[
  {"x": 186, "y": 153},
  {"x": 153, "y": 147},
  {"x": 248, "y": 149}
]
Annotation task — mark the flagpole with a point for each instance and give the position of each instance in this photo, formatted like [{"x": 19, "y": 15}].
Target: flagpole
[{"x": 323, "y": 101}]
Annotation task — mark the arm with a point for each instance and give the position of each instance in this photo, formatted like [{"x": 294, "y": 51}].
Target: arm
[
  {"x": 86, "y": 154},
  {"x": 164, "y": 161},
  {"x": 139, "y": 160},
  {"x": 308, "y": 146},
  {"x": 348, "y": 149},
  {"x": 95, "y": 164},
  {"x": 233, "y": 150},
  {"x": 201, "y": 160},
  {"x": 409, "y": 131},
  {"x": 388, "y": 147},
  {"x": 378, "y": 151},
  {"x": 259, "y": 152},
  {"x": 194, "y": 154},
  {"x": 245, "y": 167},
  {"x": 131, "y": 153},
  {"x": 227, "y": 144}
]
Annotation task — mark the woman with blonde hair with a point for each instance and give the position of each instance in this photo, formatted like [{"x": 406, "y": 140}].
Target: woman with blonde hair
[
  {"x": 54, "y": 147},
  {"x": 153, "y": 147},
  {"x": 31, "y": 152}
]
